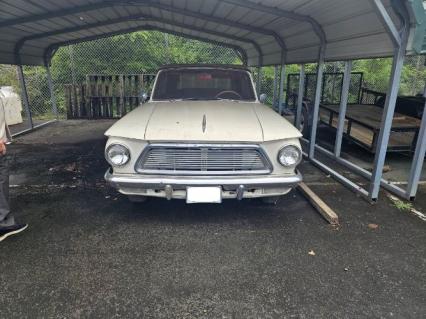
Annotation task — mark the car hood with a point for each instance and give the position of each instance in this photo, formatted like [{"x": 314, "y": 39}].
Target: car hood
[{"x": 214, "y": 121}]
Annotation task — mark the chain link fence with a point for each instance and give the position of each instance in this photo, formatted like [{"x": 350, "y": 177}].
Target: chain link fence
[
  {"x": 370, "y": 74},
  {"x": 144, "y": 52},
  {"x": 137, "y": 53},
  {"x": 38, "y": 96}
]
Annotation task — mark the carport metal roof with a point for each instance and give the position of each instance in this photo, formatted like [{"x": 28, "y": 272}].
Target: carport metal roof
[{"x": 264, "y": 32}]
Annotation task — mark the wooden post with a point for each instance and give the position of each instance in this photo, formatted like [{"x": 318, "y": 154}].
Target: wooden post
[
  {"x": 106, "y": 97},
  {"x": 83, "y": 100},
  {"x": 87, "y": 97},
  {"x": 96, "y": 97},
  {"x": 319, "y": 204},
  {"x": 68, "y": 103}
]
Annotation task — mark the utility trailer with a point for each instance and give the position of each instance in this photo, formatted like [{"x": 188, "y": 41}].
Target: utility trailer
[{"x": 364, "y": 112}]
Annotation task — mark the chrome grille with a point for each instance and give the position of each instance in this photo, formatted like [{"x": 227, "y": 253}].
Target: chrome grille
[{"x": 203, "y": 160}]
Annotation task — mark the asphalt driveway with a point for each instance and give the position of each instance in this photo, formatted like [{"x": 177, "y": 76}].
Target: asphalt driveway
[{"x": 89, "y": 253}]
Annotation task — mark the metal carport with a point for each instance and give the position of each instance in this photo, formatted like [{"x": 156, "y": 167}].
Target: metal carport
[{"x": 268, "y": 32}]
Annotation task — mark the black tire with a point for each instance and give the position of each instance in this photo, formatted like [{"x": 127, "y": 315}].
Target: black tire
[
  {"x": 271, "y": 200},
  {"x": 137, "y": 199},
  {"x": 305, "y": 123}
]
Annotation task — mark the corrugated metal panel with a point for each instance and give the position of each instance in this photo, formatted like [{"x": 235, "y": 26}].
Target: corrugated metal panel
[
  {"x": 352, "y": 28},
  {"x": 424, "y": 29}
]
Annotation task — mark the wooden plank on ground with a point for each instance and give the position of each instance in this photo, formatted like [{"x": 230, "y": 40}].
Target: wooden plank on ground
[{"x": 319, "y": 204}]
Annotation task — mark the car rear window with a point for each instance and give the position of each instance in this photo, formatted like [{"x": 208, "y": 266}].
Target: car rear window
[{"x": 204, "y": 84}]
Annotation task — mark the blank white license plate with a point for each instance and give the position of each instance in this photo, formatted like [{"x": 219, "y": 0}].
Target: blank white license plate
[{"x": 203, "y": 195}]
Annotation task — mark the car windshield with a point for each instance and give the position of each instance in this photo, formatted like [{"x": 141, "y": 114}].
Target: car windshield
[{"x": 204, "y": 84}]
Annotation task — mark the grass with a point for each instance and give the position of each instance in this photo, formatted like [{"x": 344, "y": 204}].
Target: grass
[{"x": 403, "y": 206}]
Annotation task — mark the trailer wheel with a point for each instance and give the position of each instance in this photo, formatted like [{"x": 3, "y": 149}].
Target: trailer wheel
[{"x": 305, "y": 123}]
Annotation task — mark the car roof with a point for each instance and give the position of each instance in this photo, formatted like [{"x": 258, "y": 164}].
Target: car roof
[{"x": 210, "y": 66}]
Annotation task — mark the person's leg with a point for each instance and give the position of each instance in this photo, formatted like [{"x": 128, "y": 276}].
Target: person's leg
[
  {"x": 6, "y": 217},
  {"x": 8, "y": 226}
]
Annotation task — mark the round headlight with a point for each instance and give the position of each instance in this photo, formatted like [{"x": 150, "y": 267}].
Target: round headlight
[
  {"x": 117, "y": 155},
  {"x": 289, "y": 155}
]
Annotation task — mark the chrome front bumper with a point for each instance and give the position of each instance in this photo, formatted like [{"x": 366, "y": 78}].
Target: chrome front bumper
[{"x": 175, "y": 186}]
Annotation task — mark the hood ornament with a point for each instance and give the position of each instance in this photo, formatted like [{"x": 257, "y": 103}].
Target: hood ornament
[{"x": 204, "y": 123}]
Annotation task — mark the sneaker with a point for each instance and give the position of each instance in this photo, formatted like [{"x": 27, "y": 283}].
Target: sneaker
[{"x": 11, "y": 230}]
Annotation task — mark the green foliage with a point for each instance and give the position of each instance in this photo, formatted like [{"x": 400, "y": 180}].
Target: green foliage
[
  {"x": 8, "y": 76},
  {"x": 402, "y": 205},
  {"x": 135, "y": 53},
  {"x": 376, "y": 73},
  {"x": 38, "y": 90},
  {"x": 413, "y": 76},
  {"x": 138, "y": 52}
]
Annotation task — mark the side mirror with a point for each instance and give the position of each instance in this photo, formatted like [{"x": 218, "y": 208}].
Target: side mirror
[
  {"x": 262, "y": 98},
  {"x": 144, "y": 97}
]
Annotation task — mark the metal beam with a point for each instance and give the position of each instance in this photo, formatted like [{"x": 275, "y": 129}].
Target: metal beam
[
  {"x": 282, "y": 78},
  {"x": 52, "y": 91},
  {"x": 241, "y": 57},
  {"x": 387, "y": 119},
  {"x": 20, "y": 133},
  {"x": 418, "y": 158},
  {"x": 387, "y": 22},
  {"x": 389, "y": 108},
  {"x": 340, "y": 178},
  {"x": 342, "y": 109},
  {"x": 282, "y": 13},
  {"x": 274, "y": 95},
  {"x": 259, "y": 81},
  {"x": 360, "y": 171},
  {"x": 317, "y": 101},
  {"x": 54, "y": 46},
  {"x": 281, "y": 95},
  {"x": 136, "y": 17},
  {"x": 297, "y": 118},
  {"x": 24, "y": 94}
]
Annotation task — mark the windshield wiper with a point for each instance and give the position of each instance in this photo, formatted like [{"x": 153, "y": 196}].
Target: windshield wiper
[
  {"x": 185, "y": 99},
  {"x": 222, "y": 99},
  {"x": 202, "y": 99}
]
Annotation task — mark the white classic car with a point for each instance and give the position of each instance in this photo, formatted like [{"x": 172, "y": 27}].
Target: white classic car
[{"x": 203, "y": 136}]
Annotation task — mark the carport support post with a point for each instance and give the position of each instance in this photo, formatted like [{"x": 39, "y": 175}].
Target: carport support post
[
  {"x": 24, "y": 93},
  {"x": 259, "y": 79},
  {"x": 281, "y": 95},
  {"x": 52, "y": 91},
  {"x": 418, "y": 158},
  {"x": 320, "y": 72},
  {"x": 274, "y": 98},
  {"x": 342, "y": 109},
  {"x": 387, "y": 119},
  {"x": 297, "y": 119}
]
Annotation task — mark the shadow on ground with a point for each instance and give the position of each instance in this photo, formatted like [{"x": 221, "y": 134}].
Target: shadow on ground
[{"x": 90, "y": 253}]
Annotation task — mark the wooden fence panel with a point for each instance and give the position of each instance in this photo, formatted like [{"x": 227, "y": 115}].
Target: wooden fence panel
[{"x": 106, "y": 96}]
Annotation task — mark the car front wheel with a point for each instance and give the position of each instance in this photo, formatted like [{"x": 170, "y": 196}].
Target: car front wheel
[
  {"x": 271, "y": 200},
  {"x": 137, "y": 199}
]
